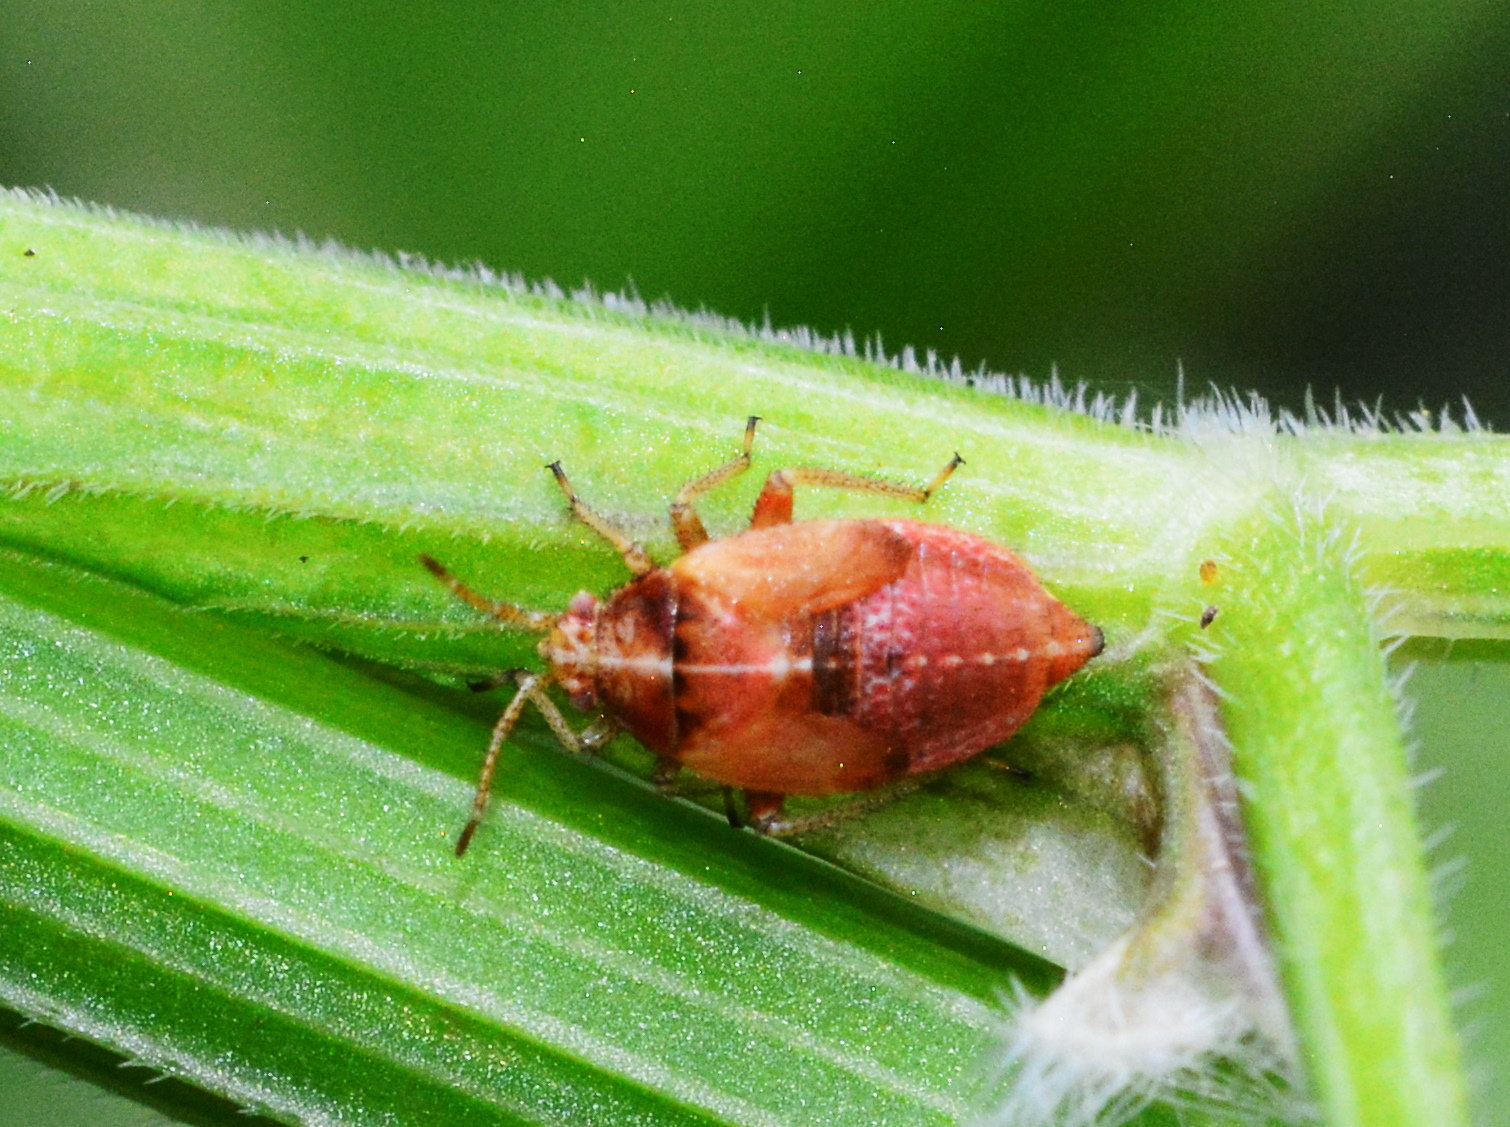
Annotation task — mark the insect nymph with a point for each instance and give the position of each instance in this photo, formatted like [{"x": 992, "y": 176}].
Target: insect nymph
[{"x": 811, "y": 658}]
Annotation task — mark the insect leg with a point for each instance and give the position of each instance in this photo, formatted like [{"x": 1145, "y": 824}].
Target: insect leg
[
  {"x": 537, "y": 620},
  {"x": 589, "y": 740},
  {"x": 774, "y": 505},
  {"x": 530, "y": 688},
  {"x": 592, "y": 739},
  {"x": 634, "y": 555},
  {"x": 663, "y": 778},
  {"x": 494, "y": 681},
  {"x": 765, "y": 814},
  {"x": 684, "y": 519},
  {"x": 666, "y": 778}
]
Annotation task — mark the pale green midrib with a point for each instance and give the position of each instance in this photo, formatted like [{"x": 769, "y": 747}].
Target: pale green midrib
[
  {"x": 493, "y": 310},
  {"x": 1427, "y": 490},
  {"x": 1426, "y": 609},
  {"x": 52, "y": 464}
]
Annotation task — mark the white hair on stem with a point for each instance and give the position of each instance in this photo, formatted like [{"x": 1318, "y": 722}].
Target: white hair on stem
[
  {"x": 1217, "y": 411},
  {"x": 1183, "y": 1009}
]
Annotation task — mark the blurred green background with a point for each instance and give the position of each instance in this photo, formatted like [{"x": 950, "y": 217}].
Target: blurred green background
[
  {"x": 1273, "y": 195},
  {"x": 1277, "y": 195}
]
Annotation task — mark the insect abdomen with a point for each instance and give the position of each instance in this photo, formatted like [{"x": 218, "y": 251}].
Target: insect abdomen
[
  {"x": 778, "y": 688},
  {"x": 955, "y": 655}
]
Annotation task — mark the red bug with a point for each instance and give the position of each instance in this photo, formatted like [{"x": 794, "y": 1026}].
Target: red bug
[{"x": 815, "y": 658}]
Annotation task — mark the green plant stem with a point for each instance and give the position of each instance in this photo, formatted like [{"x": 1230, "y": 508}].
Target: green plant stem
[
  {"x": 275, "y": 434},
  {"x": 1327, "y": 801}
]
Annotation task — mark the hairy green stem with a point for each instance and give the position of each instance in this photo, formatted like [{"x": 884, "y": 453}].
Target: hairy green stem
[
  {"x": 274, "y": 434},
  {"x": 1327, "y": 796}
]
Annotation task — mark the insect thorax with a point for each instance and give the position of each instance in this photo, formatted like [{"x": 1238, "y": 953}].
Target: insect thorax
[{"x": 616, "y": 656}]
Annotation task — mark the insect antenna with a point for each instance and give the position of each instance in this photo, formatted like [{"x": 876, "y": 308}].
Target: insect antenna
[
  {"x": 942, "y": 476},
  {"x": 531, "y": 686},
  {"x": 525, "y": 619}
]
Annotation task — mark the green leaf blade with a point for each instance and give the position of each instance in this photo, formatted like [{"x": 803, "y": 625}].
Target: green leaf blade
[{"x": 246, "y": 891}]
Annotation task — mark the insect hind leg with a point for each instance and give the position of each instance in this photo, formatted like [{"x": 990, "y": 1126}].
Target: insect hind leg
[
  {"x": 774, "y": 505},
  {"x": 766, "y": 815}
]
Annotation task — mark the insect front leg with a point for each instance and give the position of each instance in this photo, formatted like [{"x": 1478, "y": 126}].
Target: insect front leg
[
  {"x": 528, "y": 683},
  {"x": 531, "y": 690},
  {"x": 774, "y": 505},
  {"x": 684, "y": 519},
  {"x": 634, "y": 556}
]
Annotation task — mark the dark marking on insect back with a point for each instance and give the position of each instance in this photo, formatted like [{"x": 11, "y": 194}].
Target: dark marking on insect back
[
  {"x": 834, "y": 662},
  {"x": 686, "y": 623},
  {"x": 687, "y": 724}
]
